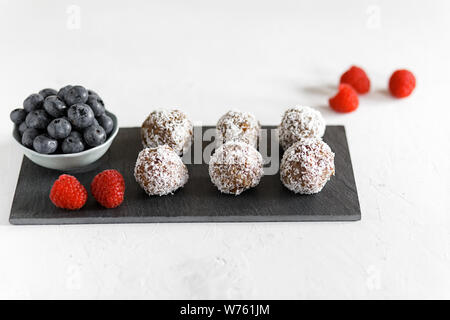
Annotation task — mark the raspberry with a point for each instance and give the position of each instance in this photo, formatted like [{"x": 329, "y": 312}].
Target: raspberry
[
  {"x": 357, "y": 78},
  {"x": 402, "y": 83},
  {"x": 68, "y": 193},
  {"x": 346, "y": 100},
  {"x": 108, "y": 188}
]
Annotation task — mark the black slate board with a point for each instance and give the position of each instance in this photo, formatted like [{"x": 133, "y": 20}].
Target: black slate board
[{"x": 198, "y": 201}]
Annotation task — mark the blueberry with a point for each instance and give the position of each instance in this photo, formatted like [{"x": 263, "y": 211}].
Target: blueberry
[
  {"x": 37, "y": 119},
  {"x": 96, "y": 104},
  {"x": 62, "y": 92},
  {"x": 45, "y": 144},
  {"x": 18, "y": 115},
  {"x": 81, "y": 115},
  {"x": 28, "y": 137},
  {"x": 33, "y": 102},
  {"x": 94, "y": 136},
  {"x": 106, "y": 122},
  {"x": 76, "y": 94},
  {"x": 55, "y": 106},
  {"x": 73, "y": 143},
  {"x": 48, "y": 92},
  {"x": 59, "y": 128},
  {"x": 76, "y": 134},
  {"x": 22, "y": 127},
  {"x": 93, "y": 93}
]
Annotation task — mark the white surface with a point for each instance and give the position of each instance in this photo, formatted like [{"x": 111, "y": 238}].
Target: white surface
[{"x": 262, "y": 57}]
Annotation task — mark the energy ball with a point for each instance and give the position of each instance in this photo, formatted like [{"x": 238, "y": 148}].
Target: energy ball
[
  {"x": 300, "y": 123},
  {"x": 306, "y": 166},
  {"x": 235, "y": 167},
  {"x": 171, "y": 127},
  {"x": 160, "y": 171},
  {"x": 238, "y": 126}
]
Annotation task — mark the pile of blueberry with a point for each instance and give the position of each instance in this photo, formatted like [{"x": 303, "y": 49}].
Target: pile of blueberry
[{"x": 70, "y": 120}]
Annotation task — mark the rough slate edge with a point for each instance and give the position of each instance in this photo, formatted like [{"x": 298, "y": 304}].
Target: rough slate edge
[{"x": 212, "y": 217}]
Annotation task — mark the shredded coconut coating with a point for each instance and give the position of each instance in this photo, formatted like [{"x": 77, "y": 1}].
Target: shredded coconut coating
[
  {"x": 171, "y": 127},
  {"x": 236, "y": 167},
  {"x": 160, "y": 171},
  {"x": 300, "y": 123},
  {"x": 307, "y": 166},
  {"x": 238, "y": 126}
]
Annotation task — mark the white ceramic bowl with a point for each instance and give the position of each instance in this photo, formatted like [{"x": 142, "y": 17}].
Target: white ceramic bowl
[{"x": 70, "y": 161}]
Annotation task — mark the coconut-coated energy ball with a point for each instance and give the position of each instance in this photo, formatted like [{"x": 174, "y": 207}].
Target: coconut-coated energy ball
[
  {"x": 300, "y": 123},
  {"x": 238, "y": 126},
  {"x": 160, "y": 171},
  {"x": 235, "y": 167},
  {"x": 306, "y": 166},
  {"x": 171, "y": 127}
]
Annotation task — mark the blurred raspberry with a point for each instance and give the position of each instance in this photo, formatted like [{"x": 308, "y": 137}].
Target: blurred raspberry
[
  {"x": 357, "y": 78},
  {"x": 402, "y": 83},
  {"x": 346, "y": 100},
  {"x": 68, "y": 193},
  {"x": 108, "y": 188}
]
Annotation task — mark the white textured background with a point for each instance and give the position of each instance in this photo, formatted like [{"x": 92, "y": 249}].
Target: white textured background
[{"x": 260, "y": 56}]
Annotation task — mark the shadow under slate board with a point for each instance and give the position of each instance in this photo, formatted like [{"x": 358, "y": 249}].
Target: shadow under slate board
[{"x": 198, "y": 201}]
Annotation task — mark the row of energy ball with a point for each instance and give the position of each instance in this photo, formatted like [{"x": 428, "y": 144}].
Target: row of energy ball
[
  {"x": 69, "y": 120},
  {"x": 236, "y": 165}
]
